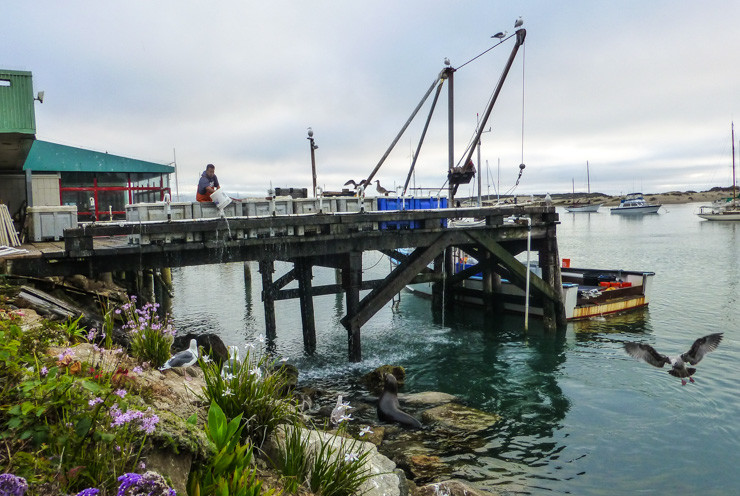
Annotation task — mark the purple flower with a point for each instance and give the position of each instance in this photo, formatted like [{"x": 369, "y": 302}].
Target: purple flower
[
  {"x": 127, "y": 481},
  {"x": 149, "y": 423},
  {"x": 138, "y": 370},
  {"x": 150, "y": 484},
  {"x": 91, "y": 334},
  {"x": 90, "y": 491},
  {"x": 120, "y": 392},
  {"x": 95, "y": 401},
  {"x": 44, "y": 371},
  {"x": 66, "y": 353},
  {"x": 11, "y": 485},
  {"x": 118, "y": 311}
]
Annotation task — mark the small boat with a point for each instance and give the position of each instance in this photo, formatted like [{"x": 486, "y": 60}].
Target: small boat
[
  {"x": 586, "y": 206},
  {"x": 635, "y": 204},
  {"x": 725, "y": 209},
  {"x": 587, "y": 293}
]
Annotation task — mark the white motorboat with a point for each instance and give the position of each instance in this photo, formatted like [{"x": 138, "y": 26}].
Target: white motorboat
[{"x": 635, "y": 204}]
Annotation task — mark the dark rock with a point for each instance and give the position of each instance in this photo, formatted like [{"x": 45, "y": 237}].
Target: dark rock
[
  {"x": 212, "y": 345},
  {"x": 375, "y": 380}
]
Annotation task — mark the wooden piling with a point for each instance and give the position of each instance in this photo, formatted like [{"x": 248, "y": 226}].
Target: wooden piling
[
  {"x": 266, "y": 268},
  {"x": 304, "y": 272},
  {"x": 352, "y": 282}
]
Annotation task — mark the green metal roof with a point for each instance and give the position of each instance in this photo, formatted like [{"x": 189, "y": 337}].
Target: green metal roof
[{"x": 51, "y": 157}]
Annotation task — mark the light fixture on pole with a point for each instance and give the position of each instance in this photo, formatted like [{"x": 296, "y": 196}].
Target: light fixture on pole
[{"x": 313, "y": 147}]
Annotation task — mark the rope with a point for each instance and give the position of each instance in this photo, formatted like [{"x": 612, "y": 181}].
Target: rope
[{"x": 484, "y": 52}]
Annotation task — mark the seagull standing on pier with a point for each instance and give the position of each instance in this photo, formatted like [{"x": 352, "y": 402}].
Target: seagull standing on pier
[
  {"x": 380, "y": 189},
  {"x": 184, "y": 358},
  {"x": 701, "y": 347}
]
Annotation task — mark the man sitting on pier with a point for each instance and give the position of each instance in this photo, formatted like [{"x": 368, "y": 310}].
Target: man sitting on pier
[{"x": 207, "y": 184}]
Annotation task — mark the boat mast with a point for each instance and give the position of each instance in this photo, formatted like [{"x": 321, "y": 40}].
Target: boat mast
[
  {"x": 588, "y": 179},
  {"x": 733, "y": 164}
]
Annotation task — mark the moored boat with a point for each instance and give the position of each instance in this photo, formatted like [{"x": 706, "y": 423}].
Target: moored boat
[
  {"x": 726, "y": 209},
  {"x": 587, "y": 206},
  {"x": 635, "y": 204},
  {"x": 587, "y": 293}
]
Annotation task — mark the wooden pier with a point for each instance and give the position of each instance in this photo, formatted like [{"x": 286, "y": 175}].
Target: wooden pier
[{"x": 335, "y": 240}]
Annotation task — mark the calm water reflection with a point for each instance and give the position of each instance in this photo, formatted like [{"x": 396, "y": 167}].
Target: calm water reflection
[{"x": 580, "y": 416}]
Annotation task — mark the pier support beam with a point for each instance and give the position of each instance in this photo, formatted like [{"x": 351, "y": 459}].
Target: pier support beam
[
  {"x": 549, "y": 260},
  {"x": 352, "y": 282},
  {"x": 304, "y": 274},
  {"x": 266, "y": 268}
]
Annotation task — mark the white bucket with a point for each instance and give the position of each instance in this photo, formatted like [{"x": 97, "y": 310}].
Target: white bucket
[{"x": 220, "y": 199}]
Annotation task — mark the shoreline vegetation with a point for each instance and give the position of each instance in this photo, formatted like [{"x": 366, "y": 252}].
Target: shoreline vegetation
[{"x": 87, "y": 413}]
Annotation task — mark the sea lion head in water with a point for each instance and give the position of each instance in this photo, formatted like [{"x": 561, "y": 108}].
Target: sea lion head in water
[{"x": 388, "y": 409}]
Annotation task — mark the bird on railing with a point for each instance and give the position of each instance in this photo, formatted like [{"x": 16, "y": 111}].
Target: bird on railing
[
  {"x": 380, "y": 189},
  {"x": 354, "y": 184}
]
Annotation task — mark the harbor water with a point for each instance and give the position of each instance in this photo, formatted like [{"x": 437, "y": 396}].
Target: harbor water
[{"x": 579, "y": 415}]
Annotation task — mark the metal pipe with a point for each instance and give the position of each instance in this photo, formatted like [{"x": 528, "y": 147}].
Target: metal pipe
[
  {"x": 451, "y": 130},
  {"x": 403, "y": 129},
  {"x": 520, "y": 35},
  {"x": 526, "y": 285},
  {"x": 423, "y": 134}
]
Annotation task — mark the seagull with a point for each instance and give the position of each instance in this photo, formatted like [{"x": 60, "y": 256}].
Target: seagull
[
  {"x": 233, "y": 364},
  {"x": 518, "y": 22},
  {"x": 339, "y": 411},
  {"x": 380, "y": 188},
  {"x": 701, "y": 347},
  {"x": 184, "y": 358},
  {"x": 500, "y": 35},
  {"x": 354, "y": 184},
  {"x": 447, "y": 61}
]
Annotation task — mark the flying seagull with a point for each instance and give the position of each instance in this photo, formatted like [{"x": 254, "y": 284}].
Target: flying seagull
[
  {"x": 701, "y": 347},
  {"x": 184, "y": 358},
  {"x": 518, "y": 22},
  {"x": 354, "y": 184},
  {"x": 380, "y": 188},
  {"x": 232, "y": 365},
  {"x": 500, "y": 35}
]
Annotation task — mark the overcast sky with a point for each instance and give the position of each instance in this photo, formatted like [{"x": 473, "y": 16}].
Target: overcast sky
[{"x": 645, "y": 91}]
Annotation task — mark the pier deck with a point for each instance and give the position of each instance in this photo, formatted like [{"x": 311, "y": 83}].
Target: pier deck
[{"x": 335, "y": 240}]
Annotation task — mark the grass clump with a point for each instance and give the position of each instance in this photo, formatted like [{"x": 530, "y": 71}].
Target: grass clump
[{"x": 257, "y": 390}]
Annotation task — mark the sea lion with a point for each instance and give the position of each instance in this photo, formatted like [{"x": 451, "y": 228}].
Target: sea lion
[{"x": 388, "y": 410}]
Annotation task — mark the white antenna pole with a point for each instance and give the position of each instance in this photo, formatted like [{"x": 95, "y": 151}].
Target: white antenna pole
[{"x": 177, "y": 181}]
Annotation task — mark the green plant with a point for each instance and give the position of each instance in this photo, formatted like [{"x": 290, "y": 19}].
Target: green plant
[
  {"x": 151, "y": 337},
  {"x": 257, "y": 392},
  {"x": 72, "y": 329},
  {"x": 338, "y": 467},
  {"x": 295, "y": 458},
  {"x": 228, "y": 473},
  {"x": 68, "y": 418},
  {"x": 108, "y": 312}
]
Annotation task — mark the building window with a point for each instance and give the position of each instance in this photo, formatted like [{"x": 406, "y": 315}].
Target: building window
[{"x": 104, "y": 195}]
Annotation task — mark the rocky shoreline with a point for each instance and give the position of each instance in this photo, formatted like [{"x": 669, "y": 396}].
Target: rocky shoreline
[{"x": 404, "y": 461}]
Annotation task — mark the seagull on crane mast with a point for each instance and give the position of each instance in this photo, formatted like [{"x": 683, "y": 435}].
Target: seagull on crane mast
[
  {"x": 500, "y": 35},
  {"x": 518, "y": 22}
]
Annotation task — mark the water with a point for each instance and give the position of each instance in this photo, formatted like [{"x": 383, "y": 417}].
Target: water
[{"x": 580, "y": 416}]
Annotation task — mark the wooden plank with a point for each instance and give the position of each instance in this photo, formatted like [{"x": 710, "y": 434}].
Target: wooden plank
[
  {"x": 395, "y": 281},
  {"x": 515, "y": 267}
]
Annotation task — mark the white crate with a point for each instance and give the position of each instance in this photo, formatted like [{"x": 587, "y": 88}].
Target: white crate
[
  {"x": 261, "y": 207},
  {"x": 47, "y": 223},
  {"x": 209, "y": 210},
  {"x": 144, "y": 212},
  {"x": 353, "y": 204},
  {"x": 306, "y": 205}
]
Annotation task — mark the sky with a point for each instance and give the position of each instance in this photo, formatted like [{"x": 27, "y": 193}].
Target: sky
[{"x": 645, "y": 92}]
